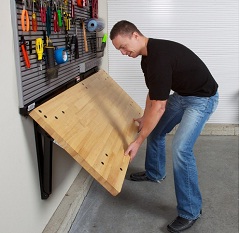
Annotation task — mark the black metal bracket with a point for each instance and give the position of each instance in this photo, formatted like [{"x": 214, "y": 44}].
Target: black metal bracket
[{"x": 44, "y": 144}]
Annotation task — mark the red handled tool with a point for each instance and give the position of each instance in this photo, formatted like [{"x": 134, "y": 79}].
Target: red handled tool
[
  {"x": 43, "y": 11},
  {"x": 34, "y": 19},
  {"x": 24, "y": 52},
  {"x": 55, "y": 19},
  {"x": 72, "y": 12}
]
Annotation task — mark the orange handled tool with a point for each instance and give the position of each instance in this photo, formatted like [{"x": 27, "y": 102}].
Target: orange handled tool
[
  {"x": 24, "y": 52},
  {"x": 34, "y": 19},
  {"x": 25, "y": 18}
]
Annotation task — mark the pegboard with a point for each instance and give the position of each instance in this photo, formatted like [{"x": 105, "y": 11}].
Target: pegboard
[{"x": 34, "y": 87}]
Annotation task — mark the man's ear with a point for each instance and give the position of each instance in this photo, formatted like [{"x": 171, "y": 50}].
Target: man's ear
[{"x": 135, "y": 35}]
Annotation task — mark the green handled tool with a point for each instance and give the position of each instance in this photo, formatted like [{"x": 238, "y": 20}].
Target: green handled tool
[{"x": 104, "y": 40}]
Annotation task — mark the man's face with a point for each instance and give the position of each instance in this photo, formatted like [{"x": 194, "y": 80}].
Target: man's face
[{"x": 128, "y": 45}]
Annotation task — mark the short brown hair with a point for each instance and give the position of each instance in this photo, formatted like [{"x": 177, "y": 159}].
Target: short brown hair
[{"x": 123, "y": 27}]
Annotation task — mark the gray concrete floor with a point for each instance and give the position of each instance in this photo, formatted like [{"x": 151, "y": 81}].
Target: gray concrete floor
[{"x": 147, "y": 207}]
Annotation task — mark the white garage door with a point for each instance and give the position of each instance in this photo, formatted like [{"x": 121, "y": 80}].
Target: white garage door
[{"x": 208, "y": 27}]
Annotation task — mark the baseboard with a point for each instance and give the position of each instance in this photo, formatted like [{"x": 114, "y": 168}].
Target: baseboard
[
  {"x": 218, "y": 129},
  {"x": 66, "y": 212}
]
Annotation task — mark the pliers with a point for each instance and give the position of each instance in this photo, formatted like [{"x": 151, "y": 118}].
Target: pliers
[
  {"x": 43, "y": 11},
  {"x": 25, "y": 18}
]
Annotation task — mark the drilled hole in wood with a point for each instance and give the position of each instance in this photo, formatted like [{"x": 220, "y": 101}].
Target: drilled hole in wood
[
  {"x": 63, "y": 112},
  {"x": 45, "y": 116},
  {"x": 102, "y": 163},
  {"x": 106, "y": 155},
  {"x": 121, "y": 169},
  {"x": 40, "y": 111},
  {"x": 56, "y": 117}
]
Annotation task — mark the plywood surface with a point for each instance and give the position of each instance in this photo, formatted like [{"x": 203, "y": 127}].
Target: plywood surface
[{"x": 93, "y": 122}]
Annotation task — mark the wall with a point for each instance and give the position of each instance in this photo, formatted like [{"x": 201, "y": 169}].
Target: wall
[
  {"x": 22, "y": 209},
  {"x": 103, "y": 14}
]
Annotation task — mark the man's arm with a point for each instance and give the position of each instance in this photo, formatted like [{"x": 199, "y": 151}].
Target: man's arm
[{"x": 153, "y": 112}]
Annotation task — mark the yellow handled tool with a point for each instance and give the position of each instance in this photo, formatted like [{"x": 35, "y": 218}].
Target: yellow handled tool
[{"x": 39, "y": 50}]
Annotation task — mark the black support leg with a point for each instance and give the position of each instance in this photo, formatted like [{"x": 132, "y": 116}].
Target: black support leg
[{"x": 44, "y": 155}]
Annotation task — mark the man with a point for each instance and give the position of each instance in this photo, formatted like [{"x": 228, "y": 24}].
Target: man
[{"x": 167, "y": 66}]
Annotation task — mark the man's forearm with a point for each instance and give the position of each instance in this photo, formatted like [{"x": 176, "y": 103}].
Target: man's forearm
[{"x": 152, "y": 115}]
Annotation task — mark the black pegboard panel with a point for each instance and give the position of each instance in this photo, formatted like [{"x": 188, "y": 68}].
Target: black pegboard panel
[{"x": 34, "y": 86}]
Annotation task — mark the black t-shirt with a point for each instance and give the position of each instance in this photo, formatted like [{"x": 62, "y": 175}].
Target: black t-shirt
[{"x": 172, "y": 66}]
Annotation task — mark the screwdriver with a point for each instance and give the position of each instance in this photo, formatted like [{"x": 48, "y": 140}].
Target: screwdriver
[
  {"x": 34, "y": 19},
  {"x": 24, "y": 52},
  {"x": 39, "y": 50}
]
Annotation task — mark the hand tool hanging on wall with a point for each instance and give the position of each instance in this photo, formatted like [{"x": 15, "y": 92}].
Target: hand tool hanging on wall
[
  {"x": 72, "y": 12},
  {"x": 104, "y": 41},
  {"x": 76, "y": 54},
  {"x": 34, "y": 18},
  {"x": 51, "y": 68},
  {"x": 80, "y": 3},
  {"x": 43, "y": 11},
  {"x": 39, "y": 51},
  {"x": 67, "y": 21},
  {"x": 24, "y": 18},
  {"x": 24, "y": 52},
  {"x": 84, "y": 35},
  {"x": 59, "y": 12},
  {"x": 55, "y": 19},
  {"x": 94, "y": 9},
  {"x": 48, "y": 19},
  {"x": 74, "y": 45}
]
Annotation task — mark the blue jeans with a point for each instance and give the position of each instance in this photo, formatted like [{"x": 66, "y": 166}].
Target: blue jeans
[{"x": 191, "y": 113}]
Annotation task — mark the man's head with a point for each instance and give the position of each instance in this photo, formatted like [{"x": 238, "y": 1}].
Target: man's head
[{"x": 128, "y": 39}]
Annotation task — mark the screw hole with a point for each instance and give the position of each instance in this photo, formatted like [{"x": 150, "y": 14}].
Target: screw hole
[
  {"x": 56, "y": 117},
  {"x": 86, "y": 87},
  {"x": 102, "y": 163},
  {"x": 40, "y": 111},
  {"x": 45, "y": 116},
  {"x": 121, "y": 169},
  {"x": 106, "y": 155},
  {"x": 63, "y": 112}
]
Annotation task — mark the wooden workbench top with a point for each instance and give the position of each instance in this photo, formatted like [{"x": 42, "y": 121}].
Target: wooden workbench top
[{"x": 93, "y": 122}]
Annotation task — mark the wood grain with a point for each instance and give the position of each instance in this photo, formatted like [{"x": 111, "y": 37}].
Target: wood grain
[{"x": 93, "y": 122}]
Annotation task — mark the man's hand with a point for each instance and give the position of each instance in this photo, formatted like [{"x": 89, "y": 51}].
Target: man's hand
[
  {"x": 140, "y": 123},
  {"x": 132, "y": 150},
  {"x": 152, "y": 114}
]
